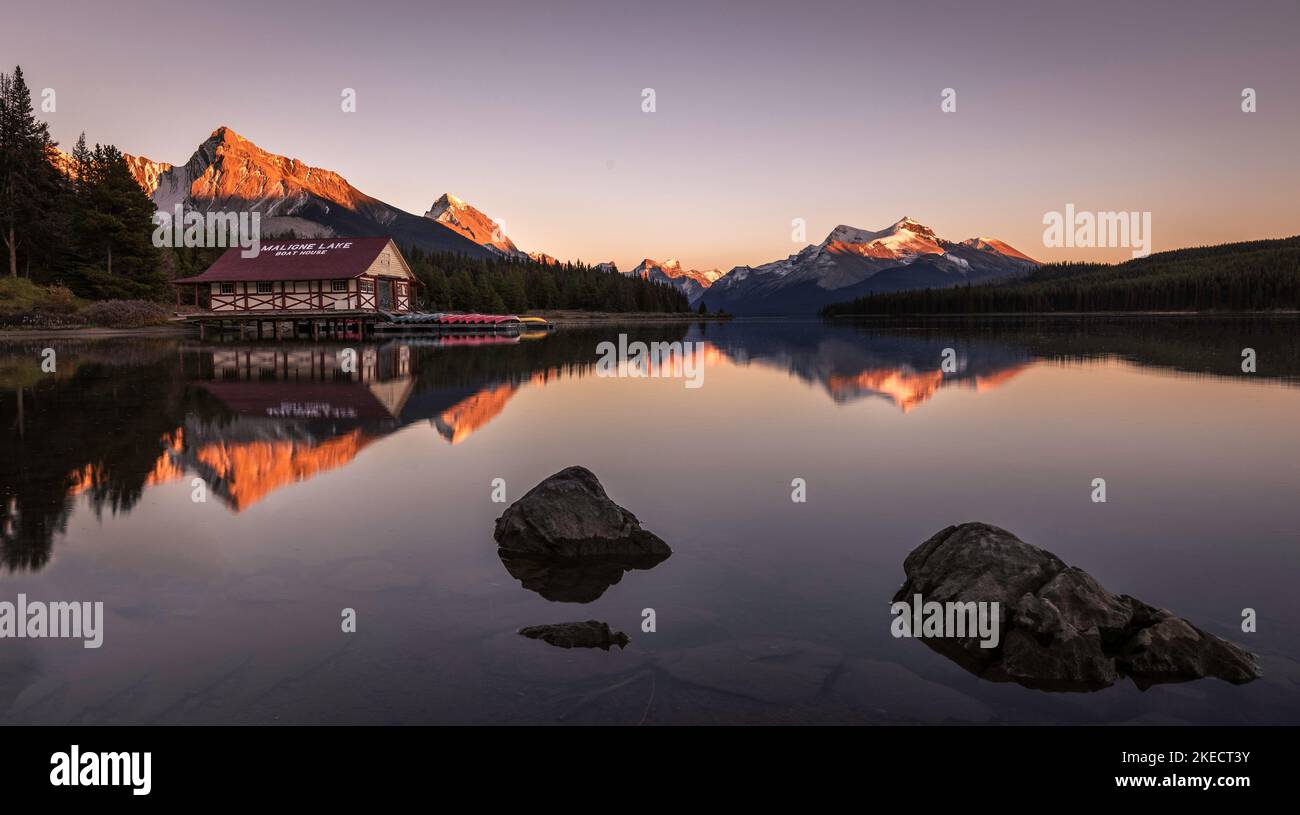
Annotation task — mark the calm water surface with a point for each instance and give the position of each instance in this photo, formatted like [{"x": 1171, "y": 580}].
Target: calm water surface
[{"x": 372, "y": 491}]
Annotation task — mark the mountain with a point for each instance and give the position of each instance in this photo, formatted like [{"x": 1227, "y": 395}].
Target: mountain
[
  {"x": 63, "y": 162},
  {"x": 607, "y": 266},
  {"x": 229, "y": 172},
  {"x": 852, "y": 262},
  {"x": 542, "y": 257},
  {"x": 690, "y": 282},
  {"x": 147, "y": 172},
  {"x": 459, "y": 216}
]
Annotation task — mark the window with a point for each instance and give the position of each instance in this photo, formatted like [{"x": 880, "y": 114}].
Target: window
[
  {"x": 338, "y": 285},
  {"x": 367, "y": 287},
  {"x": 265, "y": 287},
  {"x": 401, "y": 289},
  {"x": 227, "y": 288}
]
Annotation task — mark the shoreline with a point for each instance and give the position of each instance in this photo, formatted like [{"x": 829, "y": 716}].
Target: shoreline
[
  {"x": 92, "y": 332},
  {"x": 560, "y": 319},
  {"x": 574, "y": 318},
  {"x": 567, "y": 319}
]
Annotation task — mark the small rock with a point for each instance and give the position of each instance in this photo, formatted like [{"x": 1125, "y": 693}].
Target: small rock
[{"x": 589, "y": 634}]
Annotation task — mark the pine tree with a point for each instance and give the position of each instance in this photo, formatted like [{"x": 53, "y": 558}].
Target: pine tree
[
  {"x": 463, "y": 292},
  {"x": 439, "y": 289},
  {"x": 550, "y": 292},
  {"x": 516, "y": 296},
  {"x": 118, "y": 258},
  {"x": 29, "y": 183}
]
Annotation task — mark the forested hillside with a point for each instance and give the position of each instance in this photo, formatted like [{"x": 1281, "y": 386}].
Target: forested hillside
[
  {"x": 1252, "y": 276},
  {"x": 457, "y": 283}
]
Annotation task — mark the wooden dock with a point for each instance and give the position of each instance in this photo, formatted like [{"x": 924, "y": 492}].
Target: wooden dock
[
  {"x": 352, "y": 324},
  {"x": 286, "y": 324}
]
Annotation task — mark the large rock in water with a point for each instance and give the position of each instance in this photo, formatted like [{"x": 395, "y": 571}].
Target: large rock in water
[
  {"x": 1060, "y": 630},
  {"x": 569, "y": 515}
]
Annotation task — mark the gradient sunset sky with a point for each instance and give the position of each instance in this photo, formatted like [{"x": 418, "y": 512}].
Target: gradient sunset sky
[{"x": 766, "y": 111}]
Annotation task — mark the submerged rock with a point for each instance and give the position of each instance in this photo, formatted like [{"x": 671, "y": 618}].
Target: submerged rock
[
  {"x": 589, "y": 634},
  {"x": 1059, "y": 629},
  {"x": 572, "y": 579},
  {"x": 569, "y": 515}
]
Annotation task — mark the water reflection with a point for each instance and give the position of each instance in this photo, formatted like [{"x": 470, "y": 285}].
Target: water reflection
[
  {"x": 369, "y": 489},
  {"x": 120, "y": 416},
  {"x": 853, "y": 362},
  {"x": 92, "y": 427},
  {"x": 902, "y": 361},
  {"x": 572, "y": 580}
]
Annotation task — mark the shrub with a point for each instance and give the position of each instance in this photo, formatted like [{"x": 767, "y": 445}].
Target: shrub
[
  {"x": 125, "y": 314},
  {"x": 59, "y": 300}
]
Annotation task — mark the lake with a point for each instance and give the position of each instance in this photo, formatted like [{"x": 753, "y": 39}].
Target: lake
[{"x": 226, "y": 502}]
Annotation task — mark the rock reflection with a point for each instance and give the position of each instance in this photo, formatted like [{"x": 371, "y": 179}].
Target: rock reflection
[{"x": 573, "y": 580}]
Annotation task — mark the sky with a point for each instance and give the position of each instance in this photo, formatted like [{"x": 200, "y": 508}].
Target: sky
[{"x": 765, "y": 112}]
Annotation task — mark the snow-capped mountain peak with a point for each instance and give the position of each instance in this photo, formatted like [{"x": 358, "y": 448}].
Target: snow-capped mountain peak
[
  {"x": 672, "y": 268},
  {"x": 995, "y": 245},
  {"x": 455, "y": 214},
  {"x": 905, "y": 238},
  {"x": 692, "y": 282},
  {"x": 852, "y": 261}
]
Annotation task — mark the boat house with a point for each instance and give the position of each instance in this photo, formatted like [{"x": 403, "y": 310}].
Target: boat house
[{"x": 330, "y": 283}]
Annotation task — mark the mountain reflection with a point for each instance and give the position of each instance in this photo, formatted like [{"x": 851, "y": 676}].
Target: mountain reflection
[
  {"x": 903, "y": 368},
  {"x": 264, "y": 417},
  {"x": 901, "y": 361}
]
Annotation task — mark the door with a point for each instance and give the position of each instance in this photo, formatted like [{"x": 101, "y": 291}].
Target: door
[{"x": 385, "y": 295}]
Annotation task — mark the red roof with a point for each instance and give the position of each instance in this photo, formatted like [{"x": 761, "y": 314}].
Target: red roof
[{"x": 308, "y": 259}]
